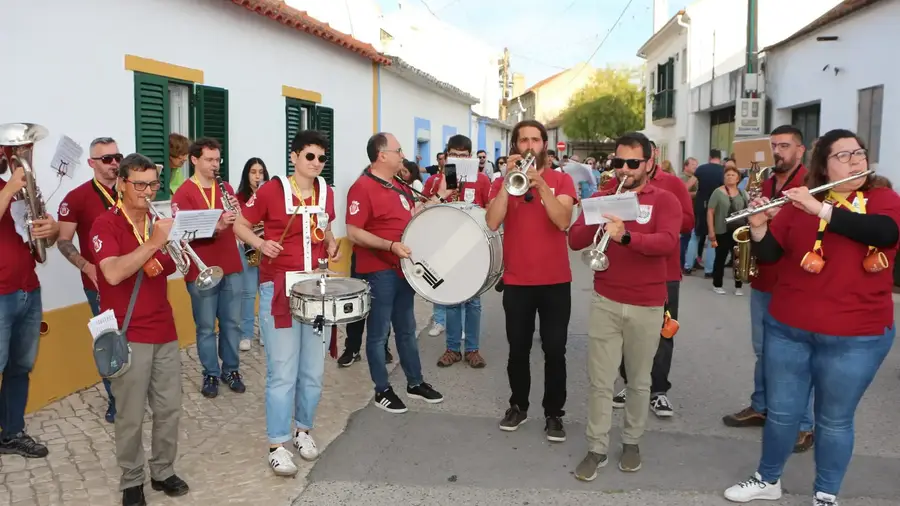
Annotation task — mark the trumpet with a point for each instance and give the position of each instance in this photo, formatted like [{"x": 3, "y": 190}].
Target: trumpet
[
  {"x": 182, "y": 253},
  {"x": 516, "y": 182},
  {"x": 604, "y": 178},
  {"x": 595, "y": 256}
]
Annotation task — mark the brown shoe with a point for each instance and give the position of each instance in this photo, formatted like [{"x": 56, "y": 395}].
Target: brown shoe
[
  {"x": 805, "y": 441},
  {"x": 449, "y": 358},
  {"x": 475, "y": 360},
  {"x": 747, "y": 417}
]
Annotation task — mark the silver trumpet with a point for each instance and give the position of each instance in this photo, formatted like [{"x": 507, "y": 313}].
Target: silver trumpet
[
  {"x": 182, "y": 254},
  {"x": 516, "y": 182},
  {"x": 595, "y": 256}
]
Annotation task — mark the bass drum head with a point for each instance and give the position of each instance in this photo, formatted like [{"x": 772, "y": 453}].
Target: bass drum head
[
  {"x": 334, "y": 287},
  {"x": 451, "y": 256}
]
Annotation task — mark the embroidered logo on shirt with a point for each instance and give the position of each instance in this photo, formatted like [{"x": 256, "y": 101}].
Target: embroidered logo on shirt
[
  {"x": 251, "y": 201},
  {"x": 644, "y": 214},
  {"x": 404, "y": 202},
  {"x": 64, "y": 209},
  {"x": 354, "y": 207},
  {"x": 469, "y": 195},
  {"x": 174, "y": 208},
  {"x": 98, "y": 244}
]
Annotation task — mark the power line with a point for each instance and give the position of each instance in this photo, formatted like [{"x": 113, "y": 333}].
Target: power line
[
  {"x": 429, "y": 8},
  {"x": 608, "y": 33},
  {"x": 522, "y": 56}
]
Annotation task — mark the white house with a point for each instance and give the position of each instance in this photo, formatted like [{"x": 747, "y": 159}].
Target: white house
[
  {"x": 491, "y": 135},
  {"x": 832, "y": 74}
]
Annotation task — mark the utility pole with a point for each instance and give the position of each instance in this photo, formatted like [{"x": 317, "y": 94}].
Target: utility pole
[
  {"x": 750, "y": 106},
  {"x": 752, "y": 57},
  {"x": 504, "y": 84}
]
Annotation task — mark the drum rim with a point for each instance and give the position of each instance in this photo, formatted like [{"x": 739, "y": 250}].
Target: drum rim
[{"x": 362, "y": 289}]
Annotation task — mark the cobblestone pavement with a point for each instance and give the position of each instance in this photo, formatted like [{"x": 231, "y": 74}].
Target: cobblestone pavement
[{"x": 222, "y": 449}]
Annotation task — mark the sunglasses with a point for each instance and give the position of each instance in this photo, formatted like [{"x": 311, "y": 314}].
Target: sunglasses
[
  {"x": 142, "y": 185},
  {"x": 632, "y": 163},
  {"x": 108, "y": 159},
  {"x": 311, "y": 156}
]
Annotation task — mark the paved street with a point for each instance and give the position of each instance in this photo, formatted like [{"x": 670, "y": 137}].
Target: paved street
[{"x": 453, "y": 453}]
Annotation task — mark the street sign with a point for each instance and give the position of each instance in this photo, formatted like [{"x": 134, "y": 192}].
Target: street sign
[{"x": 560, "y": 146}]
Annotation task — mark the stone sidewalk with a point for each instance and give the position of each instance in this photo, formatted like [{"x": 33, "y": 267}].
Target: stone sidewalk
[{"x": 222, "y": 449}]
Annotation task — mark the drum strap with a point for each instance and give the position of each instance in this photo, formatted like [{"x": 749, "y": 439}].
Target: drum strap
[
  {"x": 306, "y": 212},
  {"x": 391, "y": 186}
]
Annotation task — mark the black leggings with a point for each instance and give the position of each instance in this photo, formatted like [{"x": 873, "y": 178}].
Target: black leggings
[{"x": 725, "y": 244}]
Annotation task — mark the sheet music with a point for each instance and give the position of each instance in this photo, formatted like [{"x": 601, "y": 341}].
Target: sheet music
[
  {"x": 466, "y": 168},
  {"x": 624, "y": 206},
  {"x": 67, "y": 157},
  {"x": 194, "y": 224},
  {"x": 103, "y": 322},
  {"x": 18, "y": 211}
]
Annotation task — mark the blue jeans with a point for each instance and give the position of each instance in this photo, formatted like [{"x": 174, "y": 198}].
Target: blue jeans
[
  {"x": 840, "y": 369},
  {"x": 439, "y": 315},
  {"x": 685, "y": 244},
  {"x": 250, "y": 285},
  {"x": 295, "y": 363},
  {"x": 93, "y": 299},
  {"x": 471, "y": 320},
  {"x": 20, "y": 328},
  {"x": 392, "y": 304},
  {"x": 759, "y": 311},
  {"x": 222, "y": 302},
  {"x": 709, "y": 254}
]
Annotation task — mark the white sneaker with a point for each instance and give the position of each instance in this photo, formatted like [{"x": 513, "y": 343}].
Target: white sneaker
[
  {"x": 436, "y": 330},
  {"x": 282, "y": 462},
  {"x": 823, "y": 499},
  {"x": 718, "y": 290},
  {"x": 738, "y": 292},
  {"x": 245, "y": 345},
  {"x": 304, "y": 443},
  {"x": 754, "y": 488}
]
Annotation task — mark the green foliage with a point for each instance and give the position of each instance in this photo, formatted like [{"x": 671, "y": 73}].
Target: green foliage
[{"x": 611, "y": 105}]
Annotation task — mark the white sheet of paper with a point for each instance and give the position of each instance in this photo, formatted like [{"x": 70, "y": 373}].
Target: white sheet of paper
[
  {"x": 103, "y": 322},
  {"x": 194, "y": 224},
  {"x": 67, "y": 157},
  {"x": 18, "y": 211},
  {"x": 624, "y": 205},
  {"x": 466, "y": 168}
]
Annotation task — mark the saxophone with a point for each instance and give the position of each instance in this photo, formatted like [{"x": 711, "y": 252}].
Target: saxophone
[
  {"x": 745, "y": 269},
  {"x": 252, "y": 255}
]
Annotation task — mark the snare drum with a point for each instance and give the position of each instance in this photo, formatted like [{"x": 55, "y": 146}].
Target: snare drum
[
  {"x": 346, "y": 300},
  {"x": 455, "y": 256}
]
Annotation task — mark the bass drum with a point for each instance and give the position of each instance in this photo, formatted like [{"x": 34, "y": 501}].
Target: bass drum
[{"x": 455, "y": 256}]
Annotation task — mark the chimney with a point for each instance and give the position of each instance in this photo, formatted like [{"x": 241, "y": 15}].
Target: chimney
[
  {"x": 660, "y": 14},
  {"x": 518, "y": 84}
]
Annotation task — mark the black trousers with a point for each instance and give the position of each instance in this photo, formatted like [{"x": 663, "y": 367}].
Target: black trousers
[
  {"x": 553, "y": 305},
  {"x": 662, "y": 361},
  {"x": 355, "y": 330},
  {"x": 725, "y": 244}
]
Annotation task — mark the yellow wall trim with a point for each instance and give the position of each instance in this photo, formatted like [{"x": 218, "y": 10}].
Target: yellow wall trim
[
  {"x": 375, "y": 85},
  {"x": 148, "y": 66},
  {"x": 309, "y": 96}
]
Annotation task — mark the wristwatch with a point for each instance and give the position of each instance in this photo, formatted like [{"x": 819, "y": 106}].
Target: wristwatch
[{"x": 626, "y": 238}]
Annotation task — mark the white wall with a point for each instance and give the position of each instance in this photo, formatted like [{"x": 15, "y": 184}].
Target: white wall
[
  {"x": 77, "y": 85},
  {"x": 496, "y": 134},
  {"x": 796, "y": 76},
  {"x": 359, "y": 18},
  {"x": 402, "y": 101},
  {"x": 668, "y": 138}
]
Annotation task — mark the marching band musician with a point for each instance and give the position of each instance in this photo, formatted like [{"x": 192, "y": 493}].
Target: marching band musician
[
  {"x": 222, "y": 302},
  {"x": 834, "y": 250},
  {"x": 789, "y": 172},
  {"x": 378, "y": 211},
  {"x": 474, "y": 192},
  {"x": 627, "y": 304},
  {"x": 254, "y": 175},
  {"x": 123, "y": 241},
  {"x": 77, "y": 212},
  {"x": 21, "y": 311},
  {"x": 537, "y": 277},
  {"x": 296, "y": 213}
]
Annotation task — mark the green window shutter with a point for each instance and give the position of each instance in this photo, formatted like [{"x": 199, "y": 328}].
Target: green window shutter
[
  {"x": 325, "y": 124},
  {"x": 151, "y": 117},
  {"x": 212, "y": 119},
  {"x": 293, "y": 115}
]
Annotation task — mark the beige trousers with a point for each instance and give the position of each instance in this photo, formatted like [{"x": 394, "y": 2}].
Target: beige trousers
[
  {"x": 618, "y": 330},
  {"x": 154, "y": 376}
]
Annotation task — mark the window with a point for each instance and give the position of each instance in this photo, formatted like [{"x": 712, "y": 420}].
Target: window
[
  {"x": 871, "y": 101},
  {"x": 721, "y": 130},
  {"x": 665, "y": 76},
  {"x": 806, "y": 119},
  {"x": 163, "y": 106},
  {"x": 303, "y": 115}
]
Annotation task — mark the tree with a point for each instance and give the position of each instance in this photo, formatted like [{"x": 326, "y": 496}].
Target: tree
[{"x": 610, "y": 105}]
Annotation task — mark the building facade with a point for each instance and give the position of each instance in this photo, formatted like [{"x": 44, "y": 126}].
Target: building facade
[
  {"x": 491, "y": 135},
  {"x": 548, "y": 98}
]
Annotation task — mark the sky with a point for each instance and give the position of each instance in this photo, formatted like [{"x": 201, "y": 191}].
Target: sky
[{"x": 544, "y": 40}]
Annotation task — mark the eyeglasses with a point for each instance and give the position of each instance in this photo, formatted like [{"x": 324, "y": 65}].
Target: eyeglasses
[
  {"x": 398, "y": 151},
  {"x": 142, "y": 185},
  {"x": 633, "y": 163},
  {"x": 845, "y": 156},
  {"x": 108, "y": 159},
  {"x": 311, "y": 156}
]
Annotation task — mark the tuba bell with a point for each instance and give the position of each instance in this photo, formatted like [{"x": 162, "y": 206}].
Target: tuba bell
[
  {"x": 745, "y": 269},
  {"x": 516, "y": 182},
  {"x": 16, "y": 150}
]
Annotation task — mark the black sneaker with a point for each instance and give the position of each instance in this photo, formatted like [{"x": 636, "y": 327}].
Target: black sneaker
[
  {"x": 24, "y": 445},
  {"x": 425, "y": 392},
  {"x": 173, "y": 486},
  {"x": 554, "y": 429},
  {"x": 134, "y": 496},
  {"x": 512, "y": 419},
  {"x": 619, "y": 399},
  {"x": 389, "y": 402},
  {"x": 234, "y": 381},
  {"x": 661, "y": 406},
  {"x": 348, "y": 358},
  {"x": 210, "y": 387}
]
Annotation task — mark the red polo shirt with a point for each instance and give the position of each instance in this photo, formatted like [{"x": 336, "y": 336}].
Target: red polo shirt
[
  {"x": 843, "y": 299},
  {"x": 82, "y": 206},
  {"x": 768, "y": 273},
  {"x": 534, "y": 249},
  {"x": 477, "y": 192},
  {"x": 381, "y": 211},
  {"x": 152, "y": 320},
  {"x": 638, "y": 272},
  {"x": 17, "y": 266},
  {"x": 675, "y": 186},
  {"x": 219, "y": 250}
]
